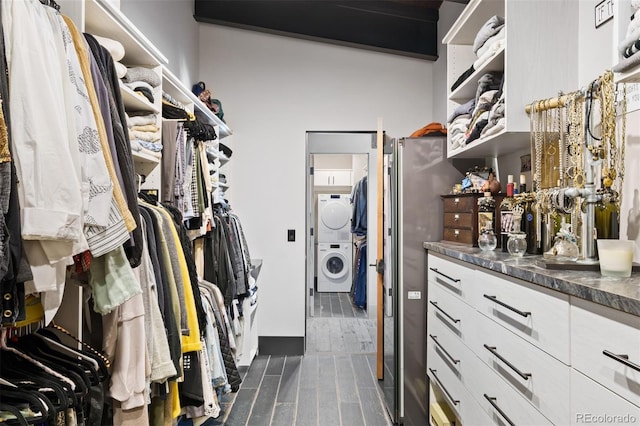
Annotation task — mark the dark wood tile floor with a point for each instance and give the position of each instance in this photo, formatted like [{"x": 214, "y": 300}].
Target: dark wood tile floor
[{"x": 333, "y": 384}]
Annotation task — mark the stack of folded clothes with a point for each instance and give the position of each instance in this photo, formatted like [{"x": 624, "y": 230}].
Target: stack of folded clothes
[
  {"x": 143, "y": 81},
  {"x": 459, "y": 123},
  {"x": 630, "y": 45},
  {"x": 144, "y": 132},
  {"x": 489, "y": 40}
]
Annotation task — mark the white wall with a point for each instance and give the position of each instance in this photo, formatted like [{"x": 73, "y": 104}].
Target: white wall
[
  {"x": 595, "y": 46},
  {"x": 170, "y": 26},
  {"x": 448, "y": 14},
  {"x": 273, "y": 89}
]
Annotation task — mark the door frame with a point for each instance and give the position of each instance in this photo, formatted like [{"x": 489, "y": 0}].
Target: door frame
[{"x": 340, "y": 142}]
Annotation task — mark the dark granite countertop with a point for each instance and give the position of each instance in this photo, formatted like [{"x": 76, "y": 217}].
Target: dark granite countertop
[{"x": 622, "y": 294}]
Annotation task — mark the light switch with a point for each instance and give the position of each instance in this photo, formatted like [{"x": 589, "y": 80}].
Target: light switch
[
  {"x": 291, "y": 234},
  {"x": 414, "y": 295}
]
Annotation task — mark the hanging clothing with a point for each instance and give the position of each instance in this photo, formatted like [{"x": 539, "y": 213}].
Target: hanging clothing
[
  {"x": 105, "y": 62},
  {"x": 359, "y": 287},
  {"x": 359, "y": 207}
]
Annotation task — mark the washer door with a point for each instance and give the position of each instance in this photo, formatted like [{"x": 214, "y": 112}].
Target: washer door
[
  {"x": 334, "y": 265},
  {"x": 335, "y": 215}
]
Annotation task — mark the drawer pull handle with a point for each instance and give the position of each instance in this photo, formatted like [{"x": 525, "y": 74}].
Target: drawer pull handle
[
  {"x": 492, "y": 401},
  {"x": 455, "y": 280},
  {"x": 624, "y": 359},
  {"x": 493, "y": 350},
  {"x": 435, "y": 339},
  {"x": 456, "y": 200},
  {"x": 517, "y": 311},
  {"x": 456, "y": 233},
  {"x": 443, "y": 312},
  {"x": 456, "y": 217},
  {"x": 455, "y": 401}
]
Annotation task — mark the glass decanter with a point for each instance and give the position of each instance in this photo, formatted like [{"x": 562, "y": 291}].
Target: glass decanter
[
  {"x": 517, "y": 243},
  {"x": 487, "y": 240}
]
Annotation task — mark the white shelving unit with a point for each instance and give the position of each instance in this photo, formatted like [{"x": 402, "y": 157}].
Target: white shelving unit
[
  {"x": 526, "y": 61},
  {"x": 99, "y": 17}
]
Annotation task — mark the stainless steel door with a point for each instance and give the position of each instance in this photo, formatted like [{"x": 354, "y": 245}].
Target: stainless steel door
[{"x": 392, "y": 381}]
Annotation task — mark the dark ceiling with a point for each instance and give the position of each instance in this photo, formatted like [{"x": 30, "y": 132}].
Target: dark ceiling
[{"x": 404, "y": 27}]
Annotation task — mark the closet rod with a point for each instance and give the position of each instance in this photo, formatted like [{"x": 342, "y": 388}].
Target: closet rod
[
  {"x": 561, "y": 101},
  {"x": 546, "y": 104}
]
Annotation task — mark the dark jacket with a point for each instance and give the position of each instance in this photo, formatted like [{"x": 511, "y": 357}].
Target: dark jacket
[{"x": 104, "y": 59}]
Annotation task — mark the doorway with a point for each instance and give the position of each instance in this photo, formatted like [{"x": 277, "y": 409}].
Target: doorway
[{"x": 336, "y": 163}]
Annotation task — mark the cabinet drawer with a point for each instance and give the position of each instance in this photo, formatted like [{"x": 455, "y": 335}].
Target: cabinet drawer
[
  {"x": 535, "y": 375},
  {"x": 458, "y": 220},
  {"x": 467, "y": 409},
  {"x": 446, "y": 379},
  {"x": 450, "y": 312},
  {"x": 499, "y": 400},
  {"x": 593, "y": 403},
  {"x": 460, "y": 204},
  {"x": 451, "y": 276},
  {"x": 537, "y": 314},
  {"x": 596, "y": 329},
  {"x": 463, "y": 236}
]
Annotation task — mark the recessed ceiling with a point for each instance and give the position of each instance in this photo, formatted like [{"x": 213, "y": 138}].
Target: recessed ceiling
[{"x": 404, "y": 27}]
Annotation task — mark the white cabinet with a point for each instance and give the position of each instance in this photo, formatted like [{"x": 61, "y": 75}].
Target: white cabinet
[
  {"x": 536, "y": 314},
  {"x": 593, "y": 403},
  {"x": 606, "y": 347},
  {"x": 533, "y": 66},
  {"x": 527, "y": 354},
  {"x": 332, "y": 177},
  {"x": 540, "y": 379}
]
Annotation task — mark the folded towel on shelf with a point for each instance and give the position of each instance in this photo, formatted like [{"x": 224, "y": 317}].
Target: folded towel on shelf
[
  {"x": 490, "y": 28},
  {"x": 491, "y": 130},
  {"x": 626, "y": 64},
  {"x": 480, "y": 116},
  {"x": 496, "y": 113},
  {"x": 144, "y": 118},
  {"x": 489, "y": 53},
  {"x": 142, "y": 74},
  {"x": 145, "y": 136},
  {"x": 477, "y": 129},
  {"x": 152, "y": 146},
  {"x": 465, "y": 108},
  {"x": 114, "y": 47},
  {"x": 121, "y": 70},
  {"x": 135, "y": 84},
  {"x": 462, "y": 78},
  {"x": 485, "y": 102},
  {"x": 145, "y": 128},
  {"x": 145, "y": 93},
  {"x": 489, "y": 81},
  {"x": 493, "y": 39},
  {"x": 458, "y": 131}
]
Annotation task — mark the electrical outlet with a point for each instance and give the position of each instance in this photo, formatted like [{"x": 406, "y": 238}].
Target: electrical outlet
[
  {"x": 414, "y": 295},
  {"x": 291, "y": 234}
]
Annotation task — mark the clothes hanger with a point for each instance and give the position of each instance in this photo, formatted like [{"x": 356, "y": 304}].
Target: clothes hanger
[
  {"x": 51, "y": 3},
  {"x": 33, "y": 345},
  {"x": 97, "y": 362},
  {"x": 20, "y": 419},
  {"x": 84, "y": 344}
]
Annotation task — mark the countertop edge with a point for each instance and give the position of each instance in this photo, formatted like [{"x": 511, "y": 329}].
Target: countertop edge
[{"x": 619, "y": 294}]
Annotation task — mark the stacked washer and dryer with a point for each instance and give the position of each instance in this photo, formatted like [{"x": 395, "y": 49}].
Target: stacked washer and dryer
[{"x": 335, "y": 247}]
